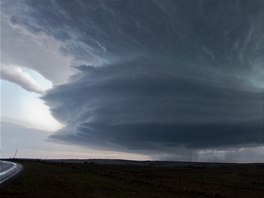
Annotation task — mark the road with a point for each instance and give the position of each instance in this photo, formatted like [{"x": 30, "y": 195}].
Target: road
[{"x": 8, "y": 170}]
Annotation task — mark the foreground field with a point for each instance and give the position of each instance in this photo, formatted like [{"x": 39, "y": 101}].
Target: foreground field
[{"x": 60, "y": 179}]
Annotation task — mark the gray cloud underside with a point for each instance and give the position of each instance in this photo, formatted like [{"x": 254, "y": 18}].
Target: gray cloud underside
[{"x": 174, "y": 73}]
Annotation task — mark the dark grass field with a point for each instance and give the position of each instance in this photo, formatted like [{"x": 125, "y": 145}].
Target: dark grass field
[{"x": 50, "y": 179}]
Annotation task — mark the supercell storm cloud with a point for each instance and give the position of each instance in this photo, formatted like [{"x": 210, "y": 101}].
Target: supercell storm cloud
[
  {"x": 140, "y": 105},
  {"x": 155, "y": 75}
]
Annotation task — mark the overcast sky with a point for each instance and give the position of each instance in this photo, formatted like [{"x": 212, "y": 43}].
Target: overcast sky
[{"x": 152, "y": 79}]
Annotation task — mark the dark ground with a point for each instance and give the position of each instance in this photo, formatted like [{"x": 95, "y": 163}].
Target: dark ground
[{"x": 88, "y": 179}]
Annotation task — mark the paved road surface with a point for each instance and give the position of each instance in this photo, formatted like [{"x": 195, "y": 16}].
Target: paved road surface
[{"x": 8, "y": 170}]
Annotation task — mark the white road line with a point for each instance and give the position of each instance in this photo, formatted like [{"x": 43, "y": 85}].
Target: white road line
[{"x": 8, "y": 170}]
